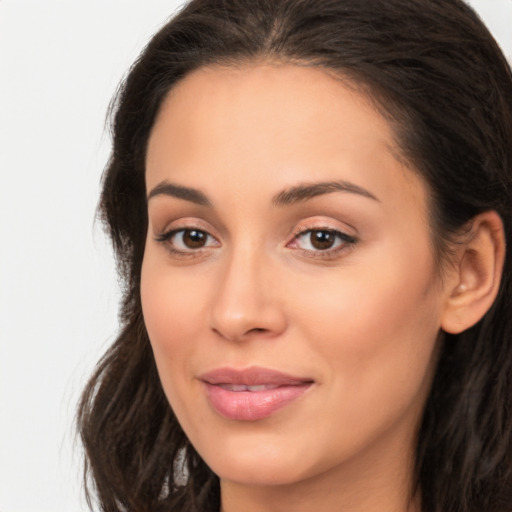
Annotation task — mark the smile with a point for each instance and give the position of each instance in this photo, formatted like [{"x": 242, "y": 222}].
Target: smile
[
  {"x": 238, "y": 387},
  {"x": 251, "y": 394}
]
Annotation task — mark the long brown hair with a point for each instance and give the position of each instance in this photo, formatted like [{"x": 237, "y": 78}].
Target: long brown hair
[{"x": 432, "y": 68}]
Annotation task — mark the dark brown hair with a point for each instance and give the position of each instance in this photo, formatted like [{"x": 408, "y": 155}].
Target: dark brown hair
[{"x": 432, "y": 68}]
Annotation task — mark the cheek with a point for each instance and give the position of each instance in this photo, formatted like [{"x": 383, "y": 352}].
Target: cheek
[
  {"x": 173, "y": 307},
  {"x": 376, "y": 326},
  {"x": 173, "y": 298},
  {"x": 163, "y": 311},
  {"x": 391, "y": 289}
]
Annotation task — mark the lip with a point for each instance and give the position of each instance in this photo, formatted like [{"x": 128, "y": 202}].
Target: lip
[{"x": 251, "y": 394}]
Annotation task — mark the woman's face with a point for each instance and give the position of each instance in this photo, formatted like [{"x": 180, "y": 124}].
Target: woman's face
[{"x": 288, "y": 282}]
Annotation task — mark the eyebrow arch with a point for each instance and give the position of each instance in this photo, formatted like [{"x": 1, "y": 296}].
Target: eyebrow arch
[
  {"x": 308, "y": 191},
  {"x": 188, "y": 194}
]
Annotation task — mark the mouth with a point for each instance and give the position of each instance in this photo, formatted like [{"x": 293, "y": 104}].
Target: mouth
[
  {"x": 240, "y": 387},
  {"x": 251, "y": 394}
]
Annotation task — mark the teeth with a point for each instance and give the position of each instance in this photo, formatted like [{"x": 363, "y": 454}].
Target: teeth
[
  {"x": 261, "y": 387},
  {"x": 242, "y": 387},
  {"x": 235, "y": 387}
]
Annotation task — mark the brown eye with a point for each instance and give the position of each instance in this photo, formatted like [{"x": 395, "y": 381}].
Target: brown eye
[
  {"x": 187, "y": 240},
  {"x": 194, "y": 239},
  {"x": 323, "y": 242},
  {"x": 322, "y": 239}
]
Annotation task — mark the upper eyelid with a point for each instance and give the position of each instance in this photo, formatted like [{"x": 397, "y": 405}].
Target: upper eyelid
[
  {"x": 321, "y": 224},
  {"x": 302, "y": 230},
  {"x": 323, "y": 228},
  {"x": 300, "y": 227},
  {"x": 187, "y": 223},
  {"x": 341, "y": 234},
  {"x": 169, "y": 233}
]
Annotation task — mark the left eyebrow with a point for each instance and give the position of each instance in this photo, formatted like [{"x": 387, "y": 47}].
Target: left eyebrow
[{"x": 309, "y": 190}]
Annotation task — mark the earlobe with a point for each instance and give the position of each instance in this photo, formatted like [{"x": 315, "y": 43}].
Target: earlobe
[{"x": 477, "y": 271}]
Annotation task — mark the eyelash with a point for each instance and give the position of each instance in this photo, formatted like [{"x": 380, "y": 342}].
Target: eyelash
[
  {"x": 167, "y": 239},
  {"x": 343, "y": 240}
]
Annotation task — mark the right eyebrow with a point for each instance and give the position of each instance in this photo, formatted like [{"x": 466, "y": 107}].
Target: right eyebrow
[{"x": 188, "y": 194}]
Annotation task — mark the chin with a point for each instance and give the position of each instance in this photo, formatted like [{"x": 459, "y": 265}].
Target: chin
[
  {"x": 259, "y": 459},
  {"x": 258, "y": 473}
]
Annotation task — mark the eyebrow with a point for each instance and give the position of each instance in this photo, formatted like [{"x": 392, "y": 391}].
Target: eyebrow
[
  {"x": 287, "y": 197},
  {"x": 188, "y": 194},
  {"x": 308, "y": 191}
]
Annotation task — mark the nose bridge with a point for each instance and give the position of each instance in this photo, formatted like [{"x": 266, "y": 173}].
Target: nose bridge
[{"x": 243, "y": 302}]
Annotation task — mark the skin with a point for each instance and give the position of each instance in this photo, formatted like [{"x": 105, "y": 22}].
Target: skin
[{"x": 361, "y": 320}]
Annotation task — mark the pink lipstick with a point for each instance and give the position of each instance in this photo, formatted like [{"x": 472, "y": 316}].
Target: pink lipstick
[{"x": 251, "y": 394}]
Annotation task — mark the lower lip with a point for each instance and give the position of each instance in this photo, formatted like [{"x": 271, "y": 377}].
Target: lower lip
[{"x": 252, "y": 405}]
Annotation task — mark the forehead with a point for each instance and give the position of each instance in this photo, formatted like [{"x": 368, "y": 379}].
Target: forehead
[
  {"x": 275, "y": 124},
  {"x": 220, "y": 99}
]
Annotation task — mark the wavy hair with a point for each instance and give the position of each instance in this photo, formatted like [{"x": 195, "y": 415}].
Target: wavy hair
[{"x": 433, "y": 69}]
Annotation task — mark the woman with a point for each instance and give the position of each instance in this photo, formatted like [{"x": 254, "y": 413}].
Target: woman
[{"x": 310, "y": 204}]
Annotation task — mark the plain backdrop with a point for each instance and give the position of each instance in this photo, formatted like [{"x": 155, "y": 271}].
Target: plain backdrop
[{"x": 60, "y": 63}]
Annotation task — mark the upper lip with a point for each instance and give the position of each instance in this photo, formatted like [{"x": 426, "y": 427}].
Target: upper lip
[{"x": 253, "y": 376}]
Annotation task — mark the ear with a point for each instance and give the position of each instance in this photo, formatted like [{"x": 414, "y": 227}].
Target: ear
[{"x": 474, "y": 279}]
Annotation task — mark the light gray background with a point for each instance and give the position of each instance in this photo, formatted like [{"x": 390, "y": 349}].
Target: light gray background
[{"x": 60, "y": 63}]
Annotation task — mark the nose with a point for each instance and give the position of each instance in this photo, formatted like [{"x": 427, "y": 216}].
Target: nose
[{"x": 247, "y": 302}]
